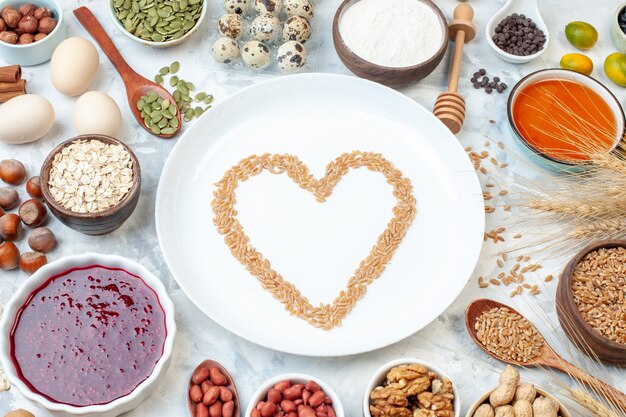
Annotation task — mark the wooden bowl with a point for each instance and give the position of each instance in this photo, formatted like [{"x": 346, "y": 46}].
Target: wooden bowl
[
  {"x": 585, "y": 337},
  {"x": 390, "y": 76},
  {"x": 93, "y": 223},
  {"x": 563, "y": 412}
]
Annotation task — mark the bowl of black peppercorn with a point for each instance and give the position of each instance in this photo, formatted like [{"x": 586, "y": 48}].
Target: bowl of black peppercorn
[{"x": 618, "y": 28}]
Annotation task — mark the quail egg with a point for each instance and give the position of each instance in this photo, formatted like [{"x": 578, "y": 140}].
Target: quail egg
[
  {"x": 271, "y": 7},
  {"x": 265, "y": 28},
  {"x": 255, "y": 54},
  {"x": 302, "y": 8},
  {"x": 296, "y": 28},
  {"x": 291, "y": 56},
  {"x": 225, "y": 50},
  {"x": 237, "y": 6},
  {"x": 230, "y": 25}
]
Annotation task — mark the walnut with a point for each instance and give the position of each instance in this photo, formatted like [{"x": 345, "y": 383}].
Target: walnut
[
  {"x": 418, "y": 385},
  {"x": 422, "y": 412},
  {"x": 387, "y": 410},
  {"x": 406, "y": 372},
  {"x": 436, "y": 403},
  {"x": 390, "y": 395}
]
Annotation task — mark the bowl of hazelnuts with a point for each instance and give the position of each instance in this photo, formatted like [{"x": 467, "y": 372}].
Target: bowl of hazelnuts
[{"x": 30, "y": 32}]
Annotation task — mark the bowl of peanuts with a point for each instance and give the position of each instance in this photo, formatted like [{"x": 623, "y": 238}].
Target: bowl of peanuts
[
  {"x": 512, "y": 398},
  {"x": 410, "y": 387},
  {"x": 294, "y": 395}
]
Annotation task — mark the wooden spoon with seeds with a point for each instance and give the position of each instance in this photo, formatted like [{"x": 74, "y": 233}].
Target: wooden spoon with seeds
[
  {"x": 547, "y": 356},
  {"x": 136, "y": 85},
  {"x": 208, "y": 364}
]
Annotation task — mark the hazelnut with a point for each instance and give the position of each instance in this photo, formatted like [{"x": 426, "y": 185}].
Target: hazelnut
[
  {"x": 33, "y": 185},
  {"x": 9, "y": 199},
  {"x": 11, "y": 16},
  {"x": 31, "y": 261},
  {"x": 42, "y": 240},
  {"x": 8, "y": 37},
  {"x": 10, "y": 227},
  {"x": 9, "y": 255},
  {"x": 33, "y": 213},
  {"x": 42, "y": 12},
  {"x": 40, "y": 36},
  {"x": 3, "y": 26},
  {"x": 26, "y": 38},
  {"x": 28, "y": 24},
  {"x": 12, "y": 171},
  {"x": 47, "y": 25},
  {"x": 27, "y": 9}
]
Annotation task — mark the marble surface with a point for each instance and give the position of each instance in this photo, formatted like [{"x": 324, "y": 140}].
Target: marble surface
[{"x": 444, "y": 342}]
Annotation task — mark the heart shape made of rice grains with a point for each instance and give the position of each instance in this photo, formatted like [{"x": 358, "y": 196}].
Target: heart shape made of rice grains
[{"x": 326, "y": 316}]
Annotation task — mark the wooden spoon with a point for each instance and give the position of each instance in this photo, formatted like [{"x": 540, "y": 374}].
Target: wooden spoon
[
  {"x": 450, "y": 106},
  {"x": 231, "y": 385},
  {"x": 548, "y": 356},
  {"x": 136, "y": 85}
]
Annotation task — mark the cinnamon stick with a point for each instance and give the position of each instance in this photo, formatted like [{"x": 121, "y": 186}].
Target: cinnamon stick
[
  {"x": 10, "y": 74},
  {"x": 19, "y": 85},
  {"x": 9, "y": 95}
]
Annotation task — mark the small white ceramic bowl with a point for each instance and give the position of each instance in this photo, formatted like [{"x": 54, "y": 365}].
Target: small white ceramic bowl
[
  {"x": 530, "y": 9},
  {"x": 563, "y": 412},
  {"x": 40, "y": 51},
  {"x": 261, "y": 392},
  {"x": 381, "y": 373},
  {"x": 120, "y": 405},
  {"x": 167, "y": 44},
  {"x": 617, "y": 34}
]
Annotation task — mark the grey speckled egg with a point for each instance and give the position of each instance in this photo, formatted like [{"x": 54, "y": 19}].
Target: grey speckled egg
[
  {"x": 255, "y": 54},
  {"x": 265, "y": 28},
  {"x": 225, "y": 50},
  {"x": 297, "y": 28},
  {"x": 302, "y": 8},
  {"x": 230, "y": 25},
  {"x": 291, "y": 56},
  {"x": 237, "y": 6},
  {"x": 271, "y": 7}
]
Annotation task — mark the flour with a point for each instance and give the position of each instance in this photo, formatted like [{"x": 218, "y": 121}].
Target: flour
[{"x": 391, "y": 33}]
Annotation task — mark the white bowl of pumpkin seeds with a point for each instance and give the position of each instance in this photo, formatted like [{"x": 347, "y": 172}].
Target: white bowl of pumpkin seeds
[{"x": 158, "y": 23}]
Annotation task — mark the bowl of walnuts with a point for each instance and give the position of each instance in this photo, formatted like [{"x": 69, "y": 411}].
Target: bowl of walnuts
[
  {"x": 30, "y": 32},
  {"x": 410, "y": 388}
]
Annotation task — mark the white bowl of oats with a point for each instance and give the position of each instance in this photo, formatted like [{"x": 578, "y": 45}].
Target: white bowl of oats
[{"x": 91, "y": 183}]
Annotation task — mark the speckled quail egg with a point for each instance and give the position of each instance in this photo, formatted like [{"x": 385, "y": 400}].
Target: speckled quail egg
[
  {"x": 271, "y": 7},
  {"x": 302, "y": 8},
  {"x": 230, "y": 25},
  {"x": 255, "y": 54},
  {"x": 237, "y": 6},
  {"x": 296, "y": 28},
  {"x": 265, "y": 28},
  {"x": 225, "y": 50},
  {"x": 291, "y": 56}
]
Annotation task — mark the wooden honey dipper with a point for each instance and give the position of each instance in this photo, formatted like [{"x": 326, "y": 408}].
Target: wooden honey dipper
[{"x": 450, "y": 106}]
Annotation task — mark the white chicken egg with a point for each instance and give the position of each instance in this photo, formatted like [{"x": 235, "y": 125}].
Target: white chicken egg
[
  {"x": 97, "y": 113},
  {"x": 255, "y": 54},
  {"x": 297, "y": 28},
  {"x": 271, "y": 7},
  {"x": 230, "y": 25},
  {"x": 265, "y": 28},
  {"x": 25, "y": 119},
  {"x": 302, "y": 8},
  {"x": 225, "y": 50},
  {"x": 291, "y": 56},
  {"x": 73, "y": 66},
  {"x": 237, "y": 6}
]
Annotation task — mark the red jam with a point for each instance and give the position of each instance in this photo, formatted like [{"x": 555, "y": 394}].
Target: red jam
[{"x": 88, "y": 336}]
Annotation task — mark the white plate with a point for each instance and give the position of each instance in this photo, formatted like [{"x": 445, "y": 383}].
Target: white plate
[{"x": 318, "y": 246}]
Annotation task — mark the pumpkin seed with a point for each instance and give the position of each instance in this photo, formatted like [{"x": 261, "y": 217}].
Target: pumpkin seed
[
  {"x": 174, "y": 67},
  {"x": 198, "y": 111},
  {"x": 168, "y": 131},
  {"x": 158, "y": 79},
  {"x": 200, "y": 96},
  {"x": 163, "y": 122},
  {"x": 173, "y": 81},
  {"x": 208, "y": 99}
]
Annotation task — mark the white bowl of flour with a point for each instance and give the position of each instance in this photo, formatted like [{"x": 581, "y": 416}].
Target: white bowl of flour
[{"x": 394, "y": 42}]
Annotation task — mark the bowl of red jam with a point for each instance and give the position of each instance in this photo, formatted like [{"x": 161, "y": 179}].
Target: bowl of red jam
[{"x": 88, "y": 335}]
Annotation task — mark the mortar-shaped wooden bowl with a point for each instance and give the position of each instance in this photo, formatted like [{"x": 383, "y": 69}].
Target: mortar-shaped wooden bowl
[
  {"x": 389, "y": 76},
  {"x": 563, "y": 412},
  {"x": 585, "y": 337},
  {"x": 98, "y": 223}
]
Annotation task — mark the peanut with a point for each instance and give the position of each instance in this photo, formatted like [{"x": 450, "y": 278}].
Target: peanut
[
  {"x": 312, "y": 386},
  {"x": 526, "y": 392},
  {"x": 255, "y": 413},
  {"x": 316, "y": 398},
  {"x": 268, "y": 409},
  {"x": 484, "y": 410},
  {"x": 505, "y": 411},
  {"x": 211, "y": 396},
  {"x": 288, "y": 406},
  {"x": 306, "y": 394},
  {"x": 226, "y": 395},
  {"x": 216, "y": 409},
  {"x": 330, "y": 411},
  {"x": 202, "y": 410},
  {"x": 217, "y": 377},
  {"x": 292, "y": 393},
  {"x": 306, "y": 412},
  {"x": 200, "y": 376},
  {"x": 274, "y": 396},
  {"x": 506, "y": 391},
  {"x": 523, "y": 408},
  {"x": 228, "y": 409},
  {"x": 545, "y": 407},
  {"x": 206, "y": 385},
  {"x": 282, "y": 385},
  {"x": 195, "y": 393}
]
